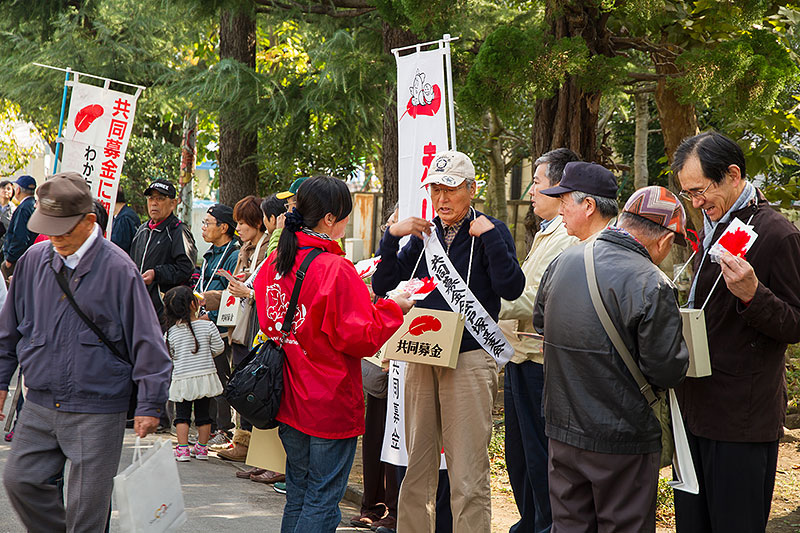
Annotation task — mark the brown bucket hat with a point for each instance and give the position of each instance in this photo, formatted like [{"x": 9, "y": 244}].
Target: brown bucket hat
[{"x": 64, "y": 200}]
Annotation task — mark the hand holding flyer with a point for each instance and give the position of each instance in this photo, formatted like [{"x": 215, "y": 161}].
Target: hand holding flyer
[
  {"x": 737, "y": 240},
  {"x": 417, "y": 288},
  {"x": 367, "y": 267}
]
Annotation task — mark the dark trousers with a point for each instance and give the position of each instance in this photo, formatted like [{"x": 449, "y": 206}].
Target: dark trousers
[
  {"x": 736, "y": 481},
  {"x": 183, "y": 412},
  {"x": 220, "y": 409},
  {"x": 380, "y": 479},
  {"x": 602, "y": 492},
  {"x": 444, "y": 515},
  {"x": 526, "y": 446}
]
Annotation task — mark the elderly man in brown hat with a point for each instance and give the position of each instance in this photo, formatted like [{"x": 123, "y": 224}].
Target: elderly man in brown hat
[{"x": 80, "y": 324}]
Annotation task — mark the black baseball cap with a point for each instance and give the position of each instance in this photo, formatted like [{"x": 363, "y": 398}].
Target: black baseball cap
[
  {"x": 590, "y": 178},
  {"x": 161, "y": 186},
  {"x": 224, "y": 215}
]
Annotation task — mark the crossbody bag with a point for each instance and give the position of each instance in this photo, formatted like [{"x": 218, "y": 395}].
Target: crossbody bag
[
  {"x": 658, "y": 402},
  {"x": 61, "y": 278}
]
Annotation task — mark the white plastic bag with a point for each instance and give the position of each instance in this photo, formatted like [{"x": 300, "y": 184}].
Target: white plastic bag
[
  {"x": 148, "y": 493},
  {"x": 682, "y": 463}
]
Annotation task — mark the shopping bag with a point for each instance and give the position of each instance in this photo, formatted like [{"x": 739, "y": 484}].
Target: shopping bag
[
  {"x": 694, "y": 333},
  {"x": 682, "y": 464},
  {"x": 148, "y": 494},
  {"x": 229, "y": 309},
  {"x": 266, "y": 450},
  {"x": 427, "y": 336}
]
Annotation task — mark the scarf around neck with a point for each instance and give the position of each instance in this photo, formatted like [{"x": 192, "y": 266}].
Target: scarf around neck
[{"x": 709, "y": 227}]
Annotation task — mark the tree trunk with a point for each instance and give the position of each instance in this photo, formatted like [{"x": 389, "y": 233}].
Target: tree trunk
[
  {"x": 392, "y": 38},
  {"x": 188, "y": 155},
  {"x": 678, "y": 121},
  {"x": 641, "y": 176},
  {"x": 496, "y": 189},
  {"x": 569, "y": 119},
  {"x": 237, "y": 146}
]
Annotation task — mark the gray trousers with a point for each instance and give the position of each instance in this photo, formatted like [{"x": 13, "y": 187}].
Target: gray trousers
[
  {"x": 601, "y": 492},
  {"x": 43, "y": 440}
]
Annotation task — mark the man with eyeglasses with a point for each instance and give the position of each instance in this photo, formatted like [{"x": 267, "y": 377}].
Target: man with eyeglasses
[
  {"x": 163, "y": 247},
  {"x": 78, "y": 389},
  {"x": 734, "y": 417},
  {"x": 219, "y": 229},
  {"x": 443, "y": 406}
]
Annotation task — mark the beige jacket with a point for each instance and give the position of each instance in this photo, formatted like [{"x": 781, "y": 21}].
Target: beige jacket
[{"x": 518, "y": 315}]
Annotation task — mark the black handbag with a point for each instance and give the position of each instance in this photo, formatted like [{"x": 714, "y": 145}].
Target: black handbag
[{"x": 256, "y": 386}]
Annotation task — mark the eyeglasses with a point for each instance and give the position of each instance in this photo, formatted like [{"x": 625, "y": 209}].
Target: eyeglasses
[
  {"x": 436, "y": 190},
  {"x": 691, "y": 195},
  {"x": 206, "y": 223}
]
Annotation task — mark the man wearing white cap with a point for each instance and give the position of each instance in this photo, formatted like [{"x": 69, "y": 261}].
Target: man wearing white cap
[{"x": 453, "y": 407}]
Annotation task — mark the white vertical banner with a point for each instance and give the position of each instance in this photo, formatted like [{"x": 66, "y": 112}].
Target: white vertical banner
[
  {"x": 422, "y": 108},
  {"x": 424, "y": 102},
  {"x": 394, "y": 438},
  {"x": 96, "y": 137}
]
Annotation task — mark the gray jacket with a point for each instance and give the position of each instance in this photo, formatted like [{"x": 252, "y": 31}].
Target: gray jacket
[
  {"x": 66, "y": 366},
  {"x": 591, "y": 401}
]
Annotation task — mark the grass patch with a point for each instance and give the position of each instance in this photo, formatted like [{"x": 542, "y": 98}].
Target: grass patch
[{"x": 665, "y": 504}]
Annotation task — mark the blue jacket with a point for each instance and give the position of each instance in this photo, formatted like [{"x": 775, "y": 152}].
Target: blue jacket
[
  {"x": 215, "y": 258},
  {"x": 18, "y": 237},
  {"x": 66, "y": 367},
  {"x": 124, "y": 228},
  {"x": 495, "y": 270}
]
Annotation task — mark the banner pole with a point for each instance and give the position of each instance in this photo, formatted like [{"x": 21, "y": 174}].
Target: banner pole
[
  {"x": 451, "y": 105},
  {"x": 61, "y": 118}
]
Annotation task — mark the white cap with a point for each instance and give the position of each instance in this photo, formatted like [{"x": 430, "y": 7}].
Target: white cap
[{"x": 450, "y": 168}]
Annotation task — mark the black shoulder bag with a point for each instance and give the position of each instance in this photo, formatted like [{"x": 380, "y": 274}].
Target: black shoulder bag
[
  {"x": 64, "y": 284},
  {"x": 256, "y": 386}
]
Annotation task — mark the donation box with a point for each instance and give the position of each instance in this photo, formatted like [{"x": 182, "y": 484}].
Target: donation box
[
  {"x": 694, "y": 333},
  {"x": 427, "y": 336}
]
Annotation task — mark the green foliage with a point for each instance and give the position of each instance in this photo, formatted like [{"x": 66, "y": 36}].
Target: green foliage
[
  {"x": 745, "y": 74},
  {"x": 516, "y": 65},
  {"x": 13, "y": 157}
]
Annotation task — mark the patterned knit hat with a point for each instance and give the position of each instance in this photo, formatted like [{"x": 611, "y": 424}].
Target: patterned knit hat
[{"x": 658, "y": 205}]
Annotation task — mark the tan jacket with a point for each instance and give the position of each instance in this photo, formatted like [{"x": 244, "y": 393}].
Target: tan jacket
[{"x": 518, "y": 315}]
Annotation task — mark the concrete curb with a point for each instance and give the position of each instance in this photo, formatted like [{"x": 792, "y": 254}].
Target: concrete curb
[{"x": 354, "y": 493}]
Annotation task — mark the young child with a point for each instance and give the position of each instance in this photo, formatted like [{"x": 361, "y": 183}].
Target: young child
[{"x": 192, "y": 344}]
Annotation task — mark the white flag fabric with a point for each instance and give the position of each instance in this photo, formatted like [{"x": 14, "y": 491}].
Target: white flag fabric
[
  {"x": 422, "y": 109},
  {"x": 96, "y": 138},
  {"x": 421, "y": 126}
]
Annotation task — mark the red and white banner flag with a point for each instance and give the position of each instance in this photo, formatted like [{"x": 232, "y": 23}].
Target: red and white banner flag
[
  {"x": 96, "y": 137},
  {"x": 422, "y": 109},
  {"x": 423, "y": 106}
]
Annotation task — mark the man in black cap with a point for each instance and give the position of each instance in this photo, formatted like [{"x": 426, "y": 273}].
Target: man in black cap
[
  {"x": 19, "y": 238},
  {"x": 588, "y": 195},
  {"x": 78, "y": 388},
  {"x": 163, "y": 247}
]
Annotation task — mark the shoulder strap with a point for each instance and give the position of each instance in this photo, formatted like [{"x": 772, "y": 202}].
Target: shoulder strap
[
  {"x": 644, "y": 387},
  {"x": 64, "y": 284},
  {"x": 301, "y": 274}
]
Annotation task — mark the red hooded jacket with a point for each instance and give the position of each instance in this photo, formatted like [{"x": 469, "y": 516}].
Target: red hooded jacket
[{"x": 335, "y": 325}]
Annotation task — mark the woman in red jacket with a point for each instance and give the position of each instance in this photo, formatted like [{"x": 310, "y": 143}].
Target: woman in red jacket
[{"x": 335, "y": 325}]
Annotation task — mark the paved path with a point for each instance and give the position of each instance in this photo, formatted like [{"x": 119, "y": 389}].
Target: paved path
[{"x": 215, "y": 499}]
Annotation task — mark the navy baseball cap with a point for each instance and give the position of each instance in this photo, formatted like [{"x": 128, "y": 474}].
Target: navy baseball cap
[
  {"x": 162, "y": 186},
  {"x": 26, "y": 182},
  {"x": 590, "y": 178}
]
